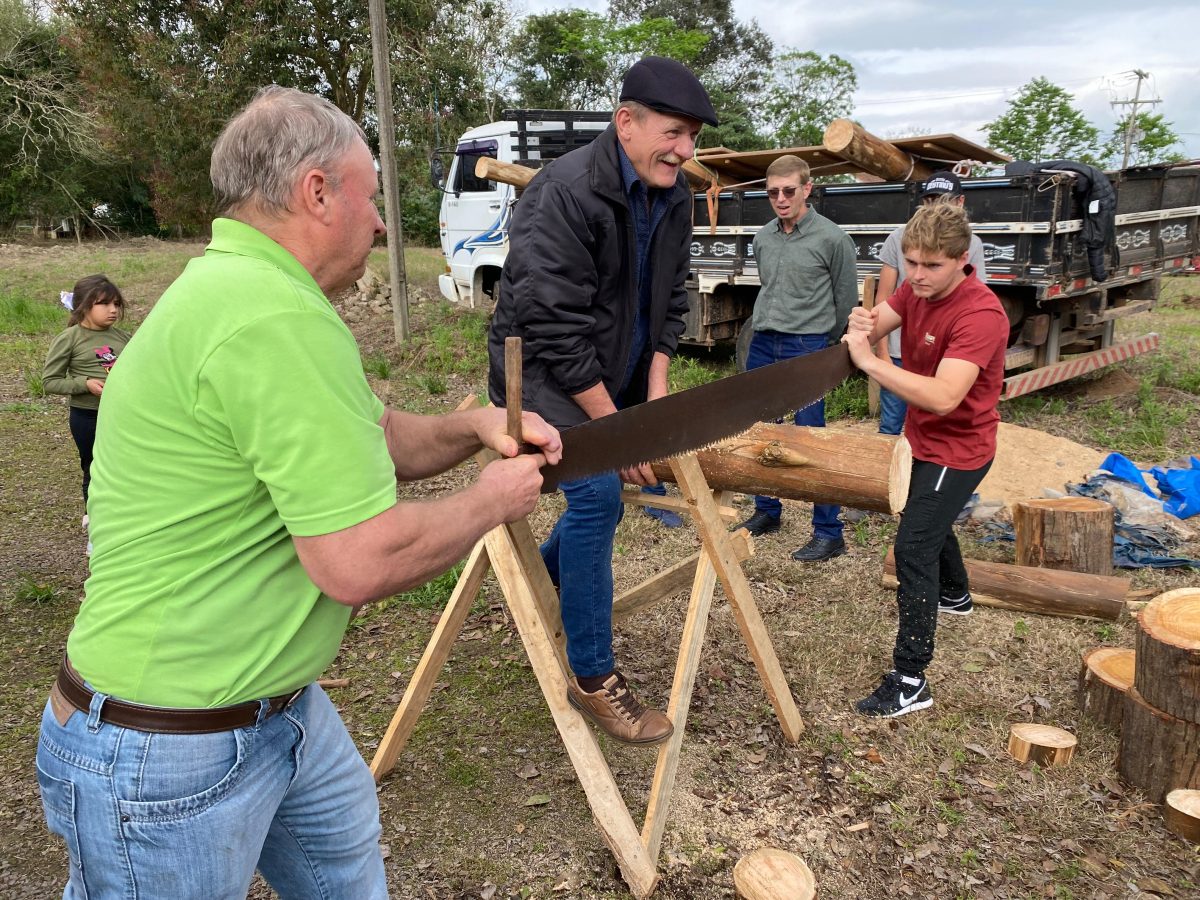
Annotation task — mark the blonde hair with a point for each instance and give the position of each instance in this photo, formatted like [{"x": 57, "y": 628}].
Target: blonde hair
[
  {"x": 789, "y": 165},
  {"x": 938, "y": 228}
]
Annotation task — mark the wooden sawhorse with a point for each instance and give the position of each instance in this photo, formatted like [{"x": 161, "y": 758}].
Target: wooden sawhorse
[{"x": 512, "y": 553}]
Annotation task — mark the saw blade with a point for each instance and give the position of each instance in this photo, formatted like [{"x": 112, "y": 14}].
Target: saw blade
[{"x": 696, "y": 418}]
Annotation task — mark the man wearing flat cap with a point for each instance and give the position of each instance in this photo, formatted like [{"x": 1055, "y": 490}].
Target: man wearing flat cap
[{"x": 594, "y": 286}]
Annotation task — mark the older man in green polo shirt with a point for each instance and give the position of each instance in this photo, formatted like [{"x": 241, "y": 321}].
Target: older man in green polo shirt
[
  {"x": 244, "y": 501},
  {"x": 806, "y": 266}
]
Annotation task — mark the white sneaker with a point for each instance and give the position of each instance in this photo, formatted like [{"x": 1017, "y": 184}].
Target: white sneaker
[{"x": 84, "y": 522}]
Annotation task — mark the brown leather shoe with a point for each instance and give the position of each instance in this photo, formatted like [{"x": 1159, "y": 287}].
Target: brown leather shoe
[{"x": 618, "y": 712}]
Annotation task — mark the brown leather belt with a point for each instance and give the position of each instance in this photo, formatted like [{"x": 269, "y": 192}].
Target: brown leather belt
[{"x": 164, "y": 720}]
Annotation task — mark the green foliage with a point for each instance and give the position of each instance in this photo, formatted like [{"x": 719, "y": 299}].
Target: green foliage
[
  {"x": 20, "y": 314},
  {"x": 1145, "y": 431},
  {"x": 575, "y": 59},
  {"x": 688, "y": 372},
  {"x": 807, "y": 92},
  {"x": 378, "y": 365},
  {"x": 1153, "y": 141},
  {"x": 420, "y": 207},
  {"x": 433, "y": 594},
  {"x": 1043, "y": 123},
  {"x": 848, "y": 400},
  {"x": 34, "y": 592}
]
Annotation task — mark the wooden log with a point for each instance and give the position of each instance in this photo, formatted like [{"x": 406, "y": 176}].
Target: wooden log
[
  {"x": 1071, "y": 533},
  {"x": 821, "y": 465},
  {"x": 494, "y": 170},
  {"x": 1043, "y": 744},
  {"x": 1181, "y": 814},
  {"x": 1159, "y": 752},
  {"x": 1045, "y": 591},
  {"x": 772, "y": 874},
  {"x": 1105, "y": 676},
  {"x": 1167, "y": 667},
  {"x": 852, "y": 142}
]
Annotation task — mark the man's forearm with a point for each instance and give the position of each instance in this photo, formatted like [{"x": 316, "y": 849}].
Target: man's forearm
[
  {"x": 595, "y": 401},
  {"x": 421, "y": 446}
]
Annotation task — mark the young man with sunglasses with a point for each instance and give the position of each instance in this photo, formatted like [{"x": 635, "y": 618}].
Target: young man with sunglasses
[
  {"x": 955, "y": 332},
  {"x": 806, "y": 266}
]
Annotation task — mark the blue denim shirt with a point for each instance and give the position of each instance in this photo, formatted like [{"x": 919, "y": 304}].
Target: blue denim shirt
[{"x": 647, "y": 209}]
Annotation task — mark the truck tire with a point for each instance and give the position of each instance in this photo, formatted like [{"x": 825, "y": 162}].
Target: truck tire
[{"x": 742, "y": 348}]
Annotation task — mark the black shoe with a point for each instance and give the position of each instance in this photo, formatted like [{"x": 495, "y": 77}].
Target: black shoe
[
  {"x": 760, "y": 523},
  {"x": 819, "y": 549},
  {"x": 960, "y": 607},
  {"x": 896, "y": 695}
]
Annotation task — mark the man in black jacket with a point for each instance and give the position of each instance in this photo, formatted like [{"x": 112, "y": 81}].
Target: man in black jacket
[{"x": 594, "y": 286}]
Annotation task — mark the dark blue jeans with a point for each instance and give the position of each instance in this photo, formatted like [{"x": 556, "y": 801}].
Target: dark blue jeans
[
  {"x": 773, "y": 346},
  {"x": 578, "y": 556},
  {"x": 892, "y": 409}
]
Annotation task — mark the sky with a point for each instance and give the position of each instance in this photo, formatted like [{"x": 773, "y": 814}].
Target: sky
[{"x": 933, "y": 66}]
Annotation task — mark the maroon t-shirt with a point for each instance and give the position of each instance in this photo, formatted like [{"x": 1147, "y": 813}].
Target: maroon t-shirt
[{"x": 969, "y": 324}]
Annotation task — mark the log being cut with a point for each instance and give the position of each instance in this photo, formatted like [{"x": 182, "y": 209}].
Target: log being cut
[{"x": 820, "y": 465}]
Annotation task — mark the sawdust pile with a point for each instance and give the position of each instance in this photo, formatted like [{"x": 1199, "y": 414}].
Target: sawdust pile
[{"x": 1027, "y": 461}]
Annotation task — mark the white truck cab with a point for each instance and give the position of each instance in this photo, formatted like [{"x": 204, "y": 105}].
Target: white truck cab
[{"x": 475, "y": 212}]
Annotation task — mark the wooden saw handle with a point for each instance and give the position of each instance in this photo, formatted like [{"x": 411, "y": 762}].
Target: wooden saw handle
[{"x": 513, "y": 363}]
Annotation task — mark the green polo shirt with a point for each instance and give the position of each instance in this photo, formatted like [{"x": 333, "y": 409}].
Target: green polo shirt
[
  {"x": 238, "y": 417},
  {"x": 808, "y": 277}
]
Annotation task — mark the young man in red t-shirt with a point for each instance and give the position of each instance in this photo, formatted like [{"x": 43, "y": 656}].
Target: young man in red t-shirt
[{"x": 953, "y": 342}]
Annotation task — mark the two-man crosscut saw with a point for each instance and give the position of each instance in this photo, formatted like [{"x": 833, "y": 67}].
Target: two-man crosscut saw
[{"x": 697, "y": 418}]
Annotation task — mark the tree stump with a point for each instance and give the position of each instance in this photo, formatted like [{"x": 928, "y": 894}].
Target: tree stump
[
  {"x": 1044, "y": 744},
  {"x": 1071, "y": 533},
  {"x": 1159, "y": 752},
  {"x": 1106, "y": 675},
  {"x": 772, "y": 874},
  {"x": 1167, "y": 667},
  {"x": 1181, "y": 813}
]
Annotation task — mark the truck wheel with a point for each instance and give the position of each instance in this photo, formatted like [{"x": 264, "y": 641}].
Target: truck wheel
[{"x": 742, "y": 348}]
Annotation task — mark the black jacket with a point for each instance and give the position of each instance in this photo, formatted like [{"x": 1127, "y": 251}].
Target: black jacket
[{"x": 568, "y": 287}]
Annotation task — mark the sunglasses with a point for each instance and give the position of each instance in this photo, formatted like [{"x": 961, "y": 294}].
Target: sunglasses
[{"x": 788, "y": 192}]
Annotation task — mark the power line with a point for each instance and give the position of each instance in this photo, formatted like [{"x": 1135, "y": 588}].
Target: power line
[{"x": 1131, "y": 122}]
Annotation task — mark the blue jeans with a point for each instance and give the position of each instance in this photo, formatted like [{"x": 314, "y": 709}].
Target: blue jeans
[
  {"x": 773, "y": 346},
  {"x": 892, "y": 409},
  {"x": 191, "y": 816},
  {"x": 578, "y": 555}
]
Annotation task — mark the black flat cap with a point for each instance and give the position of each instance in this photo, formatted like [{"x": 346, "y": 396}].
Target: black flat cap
[{"x": 669, "y": 87}]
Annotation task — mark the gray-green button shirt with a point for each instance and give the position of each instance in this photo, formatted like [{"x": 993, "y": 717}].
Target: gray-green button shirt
[{"x": 809, "y": 281}]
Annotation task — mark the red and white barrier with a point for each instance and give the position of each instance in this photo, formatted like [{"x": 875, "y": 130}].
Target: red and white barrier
[{"x": 1035, "y": 380}]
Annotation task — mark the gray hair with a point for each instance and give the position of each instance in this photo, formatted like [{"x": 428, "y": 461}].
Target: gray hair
[
  {"x": 280, "y": 134},
  {"x": 636, "y": 109}
]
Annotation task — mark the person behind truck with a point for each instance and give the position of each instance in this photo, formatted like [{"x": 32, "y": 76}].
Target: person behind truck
[
  {"x": 243, "y": 503},
  {"x": 594, "y": 286},
  {"x": 940, "y": 187},
  {"x": 806, "y": 266},
  {"x": 955, "y": 332}
]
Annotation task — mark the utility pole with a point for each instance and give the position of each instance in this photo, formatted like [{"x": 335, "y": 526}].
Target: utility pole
[
  {"x": 1131, "y": 122},
  {"x": 387, "y": 162}
]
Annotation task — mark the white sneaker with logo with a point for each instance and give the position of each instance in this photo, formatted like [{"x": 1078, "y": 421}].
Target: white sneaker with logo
[{"x": 897, "y": 695}]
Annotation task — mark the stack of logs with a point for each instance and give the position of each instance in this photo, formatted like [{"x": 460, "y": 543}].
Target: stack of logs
[{"x": 1152, "y": 696}]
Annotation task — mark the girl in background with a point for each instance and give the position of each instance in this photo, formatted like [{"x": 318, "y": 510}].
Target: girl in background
[{"x": 81, "y": 357}]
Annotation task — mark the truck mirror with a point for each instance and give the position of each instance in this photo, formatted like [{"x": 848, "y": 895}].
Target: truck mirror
[{"x": 437, "y": 172}]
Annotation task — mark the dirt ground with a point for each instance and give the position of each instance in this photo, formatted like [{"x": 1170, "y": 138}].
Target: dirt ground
[{"x": 484, "y": 802}]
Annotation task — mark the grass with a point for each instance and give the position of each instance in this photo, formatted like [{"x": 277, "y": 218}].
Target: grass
[
  {"x": 35, "y": 592},
  {"x": 21, "y": 313}
]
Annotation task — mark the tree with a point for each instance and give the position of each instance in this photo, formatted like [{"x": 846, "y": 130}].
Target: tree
[
  {"x": 732, "y": 64},
  {"x": 574, "y": 59},
  {"x": 1043, "y": 123},
  {"x": 808, "y": 92},
  {"x": 167, "y": 74},
  {"x": 1153, "y": 140}
]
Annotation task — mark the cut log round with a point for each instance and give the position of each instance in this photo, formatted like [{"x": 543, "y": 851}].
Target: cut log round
[
  {"x": 1167, "y": 671},
  {"x": 772, "y": 874},
  {"x": 1043, "y": 744},
  {"x": 1106, "y": 675},
  {"x": 1071, "y": 533},
  {"x": 821, "y": 465},
  {"x": 1159, "y": 752},
  {"x": 1046, "y": 591},
  {"x": 494, "y": 170},
  {"x": 1181, "y": 812},
  {"x": 852, "y": 142}
]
